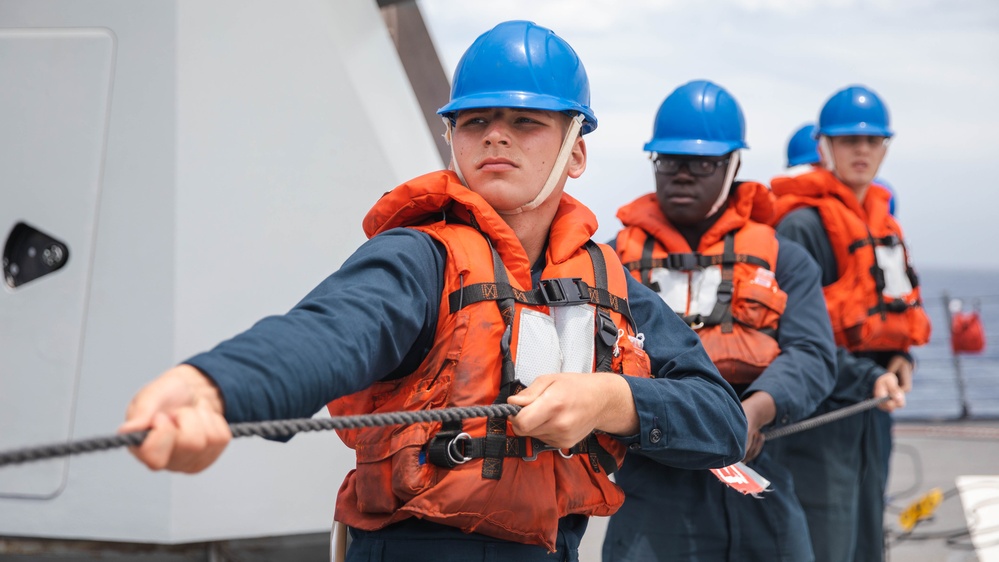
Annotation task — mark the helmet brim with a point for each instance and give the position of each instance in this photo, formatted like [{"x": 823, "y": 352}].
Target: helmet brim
[
  {"x": 692, "y": 147},
  {"x": 523, "y": 100},
  {"x": 856, "y": 129}
]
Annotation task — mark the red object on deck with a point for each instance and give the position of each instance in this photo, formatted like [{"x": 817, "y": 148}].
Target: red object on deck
[{"x": 967, "y": 335}]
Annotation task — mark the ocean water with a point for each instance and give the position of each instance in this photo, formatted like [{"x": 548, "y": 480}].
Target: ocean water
[{"x": 936, "y": 394}]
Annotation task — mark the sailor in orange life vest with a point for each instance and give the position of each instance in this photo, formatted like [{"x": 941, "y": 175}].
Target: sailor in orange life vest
[
  {"x": 803, "y": 156},
  {"x": 755, "y": 301},
  {"x": 872, "y": 293},
  {"x": 476, "y": 283}
]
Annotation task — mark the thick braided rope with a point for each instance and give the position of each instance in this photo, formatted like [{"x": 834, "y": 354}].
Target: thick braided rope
[
  {"x": 280, "y": 428},
  {"x": 824, "y": 418}
]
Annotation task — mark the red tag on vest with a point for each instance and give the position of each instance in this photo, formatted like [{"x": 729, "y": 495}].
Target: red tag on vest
[{"x": 742, "y": 478}]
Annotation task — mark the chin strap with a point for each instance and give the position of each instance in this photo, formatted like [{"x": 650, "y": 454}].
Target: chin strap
[
  {"x": 454, "y": 161},
  {"x": 733, "y": 164},
  {"x": 825, "y": 148}
]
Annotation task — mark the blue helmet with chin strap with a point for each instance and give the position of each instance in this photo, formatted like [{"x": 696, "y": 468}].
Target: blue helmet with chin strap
[
  {"x": 802, "y": 148},
  {"x": 700, "y": 118},
  {"x": 854, "y": 110},
  {"x": 521, "y": 64}
]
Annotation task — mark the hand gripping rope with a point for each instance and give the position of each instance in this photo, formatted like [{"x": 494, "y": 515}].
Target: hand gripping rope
[{"x": 283, "y": 428}]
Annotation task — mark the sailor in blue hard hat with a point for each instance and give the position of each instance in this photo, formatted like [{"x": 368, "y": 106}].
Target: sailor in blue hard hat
[
  {"x": 803, "y": 147},
  {"x": 702, "y": 242},
  {"x": 843, "y": 217},
  {"x": 473, "y": 290}
]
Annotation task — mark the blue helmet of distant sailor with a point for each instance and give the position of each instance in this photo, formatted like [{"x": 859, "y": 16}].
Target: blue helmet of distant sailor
[
  {"x": 854, "y": 110},
  {"x": 519, "y": 64},
  {"x": 803, "y": 148}
]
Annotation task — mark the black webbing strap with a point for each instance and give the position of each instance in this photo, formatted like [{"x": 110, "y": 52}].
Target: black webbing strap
[
  {"x": 894, "y": 306},
  {"x": 450, "y": 451},
  {"x": 731, "y": 258},
  {"x": 911, "y": 274},
  {"x": 879, "y": 286},
  {"x": 889, "y": 241},
  {"x": 495, "y": 439},
  {"x": 726, "y": 287},
  {"x": 561, "y": 291},
  {"x": 605, "y": 331},
  {"x": 550, "y": 292},
  {"x": 600, "y": 457},
  {"x": 721, "y": 314},
  {"x": 694, "y": 261},
  {"x": 605, "y": 342},
  {"x": 437, "y": 448},
  {"x": 645, "y": 264}
]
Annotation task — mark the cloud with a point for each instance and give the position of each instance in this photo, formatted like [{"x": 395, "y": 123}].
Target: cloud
[{"x": 935, "y": 62}]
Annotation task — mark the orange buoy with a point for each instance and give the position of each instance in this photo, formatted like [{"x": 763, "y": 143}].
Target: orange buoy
[{"x": 967, "y": 335}]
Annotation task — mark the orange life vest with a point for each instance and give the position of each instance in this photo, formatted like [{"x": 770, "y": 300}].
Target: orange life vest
[
  {"x": 725, "y": 290},
  {"x": 493, "y": 333},
  {"x": 874, "y": 304}
]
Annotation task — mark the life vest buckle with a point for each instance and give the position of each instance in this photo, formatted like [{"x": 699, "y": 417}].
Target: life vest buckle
[
  {"x": 539, "y": 446},
  {"x": 897, "y": 306},
  {"x": 564, "y": 291},
  {"x": 890, "y": 241},
  {"x": 683, "y": 262},
  {"x": 606, "y": 330}
]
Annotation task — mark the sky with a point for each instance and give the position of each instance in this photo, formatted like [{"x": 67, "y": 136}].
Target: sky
[{"x": 934, "y": 62}]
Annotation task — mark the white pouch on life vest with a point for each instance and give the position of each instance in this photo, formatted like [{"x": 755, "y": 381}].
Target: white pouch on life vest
[
  {"x": 554, "y": 343},
  {"x": 688, "y": 292},
  {"x": 891, "y": 260}
]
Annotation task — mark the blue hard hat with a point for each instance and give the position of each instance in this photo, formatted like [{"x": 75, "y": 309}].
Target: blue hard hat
[
  {"x": 891, "y": 202},
  {"x": 521, "y": 64},
  {"x": 803, "y": 148},
  {"x": 854, "y": 110},
  {"x": 699, "y": 118}
]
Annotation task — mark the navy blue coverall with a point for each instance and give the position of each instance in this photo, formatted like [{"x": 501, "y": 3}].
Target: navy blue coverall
[
  {"x": 375, "y": 318},
  {"x": 840, "y": 469},
  {"x": 671, "y": 514}
]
